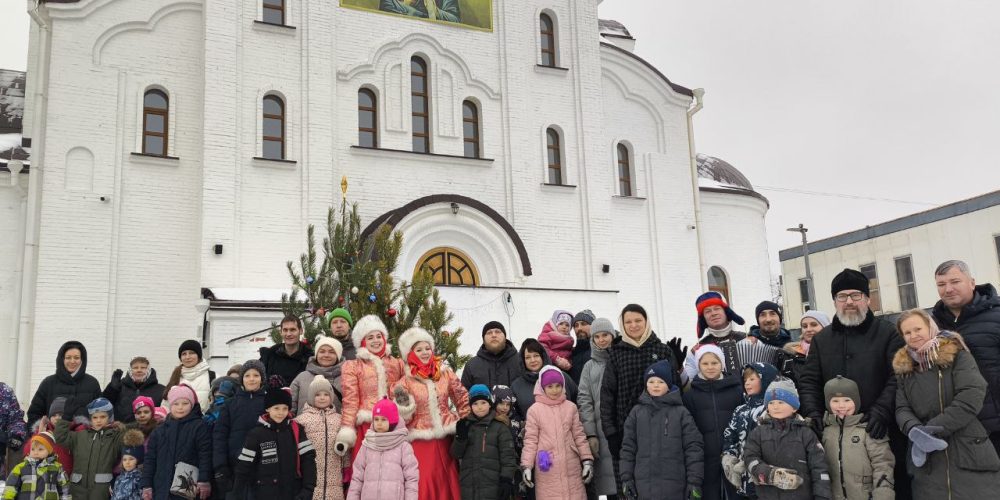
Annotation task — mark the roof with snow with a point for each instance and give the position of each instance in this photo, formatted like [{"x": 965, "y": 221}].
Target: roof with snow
[
  {"x": 612, "y": 28},
  {"x": 717, "y": 175}
]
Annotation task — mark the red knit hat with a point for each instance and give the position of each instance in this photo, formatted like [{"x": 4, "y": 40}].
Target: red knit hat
[{"x": 709, "y": 299}]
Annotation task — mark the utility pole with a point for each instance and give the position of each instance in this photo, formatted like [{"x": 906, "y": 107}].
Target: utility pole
[{"x": 805, "y": 253}]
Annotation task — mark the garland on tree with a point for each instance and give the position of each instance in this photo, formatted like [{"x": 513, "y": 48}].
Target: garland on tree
[{"x": 357, "y": 274}]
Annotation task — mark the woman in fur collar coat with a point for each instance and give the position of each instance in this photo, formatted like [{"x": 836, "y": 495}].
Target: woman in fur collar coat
[
  {"x": 425, "y": 396},
  {"x": 365, "y": 381},
  {"x": 939, "y": 394}
]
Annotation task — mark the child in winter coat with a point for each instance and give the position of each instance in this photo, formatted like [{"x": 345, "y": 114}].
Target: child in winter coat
[
  {"x": 39, "y": 476},
  {"x": 12, "y": 428},
  {"x": 95, "y": 451},
  {"x": 783, "y": 455},
  {"x": 128, "y": 484},
  {"x": 48, "y": 424},
  {"x": 504, "y": 407},
  {"x": 662, "y": 451},
  {"x": 183, "y": 438},
  {"x": 861, "y": 467},
  {"x": 757, "y": 377},
  {"x": 558, "y": 340},
  {"x": 143, "y": 408},
  {"x": 556, "y": 458},
  {"x": 711, "y": 399},
  {"x": 278, "y": 461},
  {"x": 385, "y": 466},
  {"x": 939, "y": 395},
  {"x": 485, "y": 448},
  {"x": 322, "y": 422},
  {"x": 221, "y": 393}
]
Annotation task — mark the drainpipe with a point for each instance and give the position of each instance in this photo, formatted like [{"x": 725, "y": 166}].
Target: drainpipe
[
  {"x": 699, "y": 102},
  {"x": 10, "y": 364},
  {"x": 25, "y": 331}
]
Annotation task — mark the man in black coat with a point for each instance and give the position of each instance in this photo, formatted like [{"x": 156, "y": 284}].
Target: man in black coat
[
  {"x": 289, "y": 358},
  {"x": 496, "y": 363},
  {"x": 581, "y": 351},
  {"x": 860, "y": 347},
  {"x": 141, "y": 381},
  {"x": 973, "y": 311}
]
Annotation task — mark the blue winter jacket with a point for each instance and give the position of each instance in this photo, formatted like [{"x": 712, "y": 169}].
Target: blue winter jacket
[{"x": 186, "y": 440}]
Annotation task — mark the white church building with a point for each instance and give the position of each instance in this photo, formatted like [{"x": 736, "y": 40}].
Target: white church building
[{"x": 180, "y": 148}]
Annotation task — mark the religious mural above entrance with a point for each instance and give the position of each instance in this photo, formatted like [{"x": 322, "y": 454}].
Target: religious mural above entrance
[{"x": 474, "y": 14}]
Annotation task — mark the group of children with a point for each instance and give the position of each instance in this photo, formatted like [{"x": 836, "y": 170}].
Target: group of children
[{"x": 716, "y": 439}]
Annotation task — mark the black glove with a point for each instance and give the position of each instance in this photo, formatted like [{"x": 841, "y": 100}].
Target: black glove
[
  {"x": 816, "y": 423},
  {"x": 615, "y": 444},
  {"x": 462, "y": 428},
  {"x": 680, "y": 353},
  {"x": 116, "y": 379},
  {"x": 877, "y": 427},
  {"x": 507, "y": 488},
  {"x": 15, "y": 443},
  {"x": 629, "y": 491},
  {"x": 224, "y": 479},
  {"x": 304, "y": 495}
]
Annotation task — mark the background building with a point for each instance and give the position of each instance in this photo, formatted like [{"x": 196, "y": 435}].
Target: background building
[
  {"x": 181, "y": 149},
  {"x": 899, "y": 257}
]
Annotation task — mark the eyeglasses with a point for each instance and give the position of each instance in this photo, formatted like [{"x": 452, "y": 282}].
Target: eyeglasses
[{"x": 855, "y": 297}]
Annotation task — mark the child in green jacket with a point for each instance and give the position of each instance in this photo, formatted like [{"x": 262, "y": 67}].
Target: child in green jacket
[
  {"x": 95, "y": 451},
  {"x": 39, "y": 476}
]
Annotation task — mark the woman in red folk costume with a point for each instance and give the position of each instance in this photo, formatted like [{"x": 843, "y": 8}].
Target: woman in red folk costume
[
  {"x": 365, "y": 381},
  {"x": 423, "y": 397}
]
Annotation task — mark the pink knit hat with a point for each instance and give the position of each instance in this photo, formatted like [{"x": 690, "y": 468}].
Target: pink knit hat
[
  {"x": 143, "y": 401},
  {"x": 181, "y": 391},
  {"x": 159, "y": 414},
  {"x": 386, "y": 408},
  {"x": 552, "y": 376}
]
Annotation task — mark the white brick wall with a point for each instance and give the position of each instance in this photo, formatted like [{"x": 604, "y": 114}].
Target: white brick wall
[{"x": 123, "y": 276}]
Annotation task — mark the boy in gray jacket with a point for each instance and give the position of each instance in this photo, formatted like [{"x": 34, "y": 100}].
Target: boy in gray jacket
[
  {"x": 783, "y": 455},
  {"x": 861, "y": 466}
]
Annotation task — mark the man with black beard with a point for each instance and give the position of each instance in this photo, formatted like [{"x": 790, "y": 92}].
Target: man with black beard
[{"x": 858, "y": 346}]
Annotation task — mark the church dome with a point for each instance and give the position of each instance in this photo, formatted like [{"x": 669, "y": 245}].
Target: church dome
[{"x": 715, "y": 172}]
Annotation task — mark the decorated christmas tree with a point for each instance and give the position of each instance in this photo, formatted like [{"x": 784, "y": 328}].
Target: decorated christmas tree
[{"x": 356, "y": 273}]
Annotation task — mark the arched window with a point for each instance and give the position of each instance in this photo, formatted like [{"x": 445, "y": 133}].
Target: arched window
[
  {"x": 548, "y": 40},
  {"x": 421, "y": 106},
  {"x": 718, "y": 282},
  {"x": 470, "y": 129},
  {"x": 155, "y": 111},
  {"x": 274, "y": 128},
  {"x": 554, "y": 148},
  {"x": 449, "y": 267},
  {"x": 624, "y": 171},
  {"x": 367, "y": 119},
  {"x": 274, "y": 11}
]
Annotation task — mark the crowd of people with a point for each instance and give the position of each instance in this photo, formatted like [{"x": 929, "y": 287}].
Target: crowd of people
[{"x": 855, "y": 408}]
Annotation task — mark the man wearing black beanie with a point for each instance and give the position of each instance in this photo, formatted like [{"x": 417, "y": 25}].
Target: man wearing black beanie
[
  {"x": 768, "y": 329},
  {"x": 496, "y": 362},
  {"x": 859, "y": 346}
]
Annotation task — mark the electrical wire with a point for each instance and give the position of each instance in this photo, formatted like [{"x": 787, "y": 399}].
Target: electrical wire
[{"x": 842, "y": 195}]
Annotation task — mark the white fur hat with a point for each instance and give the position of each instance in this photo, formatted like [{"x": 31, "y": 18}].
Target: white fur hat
[
  {"x": 322, "y": 340},
  {"x": 410, "y": 337},
  {"x": 366, "y": 325}
]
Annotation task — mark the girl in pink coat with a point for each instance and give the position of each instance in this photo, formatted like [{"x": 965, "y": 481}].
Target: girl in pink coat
[
  {"x": 556, "y": 458},
  {"x": 557, "y": 339},
  {"x": 385, "y": 467}
]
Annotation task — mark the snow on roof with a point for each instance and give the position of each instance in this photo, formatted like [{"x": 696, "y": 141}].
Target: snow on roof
[
  {"x": 612, "y": 28},
  {"x": 715, "y": 172},
  {"x": 246, "y": 294}
]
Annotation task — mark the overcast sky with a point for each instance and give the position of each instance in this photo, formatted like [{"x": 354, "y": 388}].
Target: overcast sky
[{"x": 889, "y": 99}]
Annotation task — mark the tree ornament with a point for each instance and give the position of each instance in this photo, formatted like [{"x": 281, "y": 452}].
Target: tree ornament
[
  {"x": 354, "y": 290},
  {"x": 321, "y": 312},
  {"x": 371, "y": 298},
  {"x": 310, "y": 279},
  {"x": 391, "y": 312},
  {"x": 445, "y": 334},
  {"x": 340, "y": 299}
]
